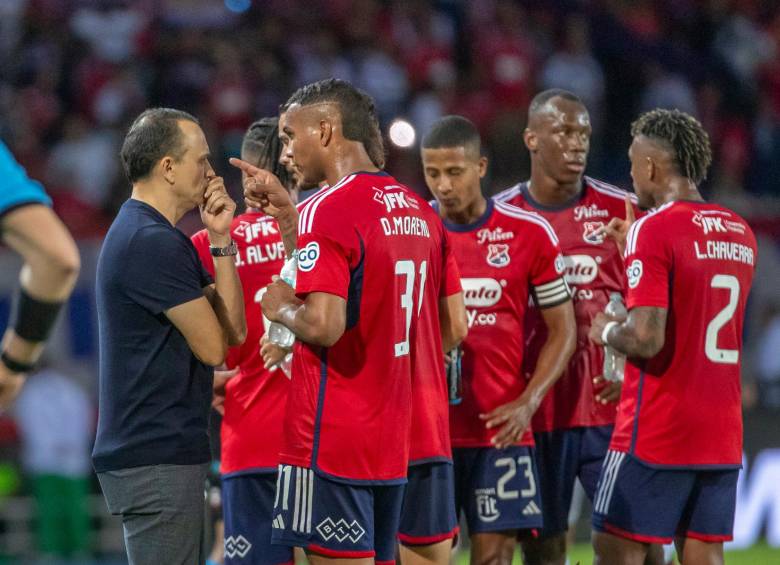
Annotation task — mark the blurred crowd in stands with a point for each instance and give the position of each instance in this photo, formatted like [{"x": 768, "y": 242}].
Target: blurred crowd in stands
[{"x": 74, "y": 73}]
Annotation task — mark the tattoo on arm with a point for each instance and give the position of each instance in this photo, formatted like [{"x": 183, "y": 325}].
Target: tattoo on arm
[{"x": 642, "y": 334}]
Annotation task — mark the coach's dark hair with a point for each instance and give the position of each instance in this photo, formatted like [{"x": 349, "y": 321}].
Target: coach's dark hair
[
  {"x": 453, "y": 131},
  {"x": 546, "y": 95},
  {"x": 261, "y": 147},
  {"x": 359, "y": 120},
  {"x": 682, "y": 135},
  {"x": 153, "y": 135}
]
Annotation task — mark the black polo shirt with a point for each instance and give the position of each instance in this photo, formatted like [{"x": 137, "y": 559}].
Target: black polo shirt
[{"x": 154, "y": 393}]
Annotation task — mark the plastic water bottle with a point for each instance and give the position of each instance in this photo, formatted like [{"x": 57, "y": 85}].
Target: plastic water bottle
[
  {"x": 279, "y": 334},
  {"x": 614, "y": 361},
  {"x": 454, "y": 372}
]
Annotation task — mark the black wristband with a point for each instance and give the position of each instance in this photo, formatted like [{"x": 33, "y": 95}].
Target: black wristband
[
  {"x": 33, "y": 319},
  {"x": 15, "y": 366}
]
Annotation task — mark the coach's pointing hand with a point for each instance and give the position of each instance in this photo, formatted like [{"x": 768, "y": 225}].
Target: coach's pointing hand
[{"x": 217, "y": 211}]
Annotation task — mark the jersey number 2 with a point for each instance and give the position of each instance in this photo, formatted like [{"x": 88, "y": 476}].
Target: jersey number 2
[
  {"x": 407, "y": 270},
  {"x": 711, "y": 349}
]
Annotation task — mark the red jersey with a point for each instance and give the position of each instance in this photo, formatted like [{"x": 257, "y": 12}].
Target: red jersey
[
  {"x": 255, "y": 397},
  {"x": 504, "y": 257},
  {"x": 430, "y": 439},
  {"x": 594, "y": 270},
  {"x": 370, "y": 241},
  {"x": 682, "y": 407}
]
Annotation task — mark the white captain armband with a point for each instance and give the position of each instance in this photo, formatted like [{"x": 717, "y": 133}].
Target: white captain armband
[{"x": 551, "y": 294}]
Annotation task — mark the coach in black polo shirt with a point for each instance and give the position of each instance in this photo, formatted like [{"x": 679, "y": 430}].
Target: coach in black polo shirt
[{"x": 163, "y": 325}]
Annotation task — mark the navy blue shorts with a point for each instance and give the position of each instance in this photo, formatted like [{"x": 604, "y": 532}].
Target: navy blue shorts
[
  {"x": 497, "y": 488},
  {"x": 562, "y": 457},
  {"x": 655, "y": 505},
  {"x": 336, "y": 519},
  {"x": 247, "y": 506},
  {"x": 428, "y": 514}
]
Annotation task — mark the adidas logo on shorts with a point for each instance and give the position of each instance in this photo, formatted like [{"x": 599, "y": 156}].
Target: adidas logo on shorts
[{"x": 531, "y": 509}]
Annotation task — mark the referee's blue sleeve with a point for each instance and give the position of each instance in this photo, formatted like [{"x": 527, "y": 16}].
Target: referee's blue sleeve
[{"x": 16, "y": 188}]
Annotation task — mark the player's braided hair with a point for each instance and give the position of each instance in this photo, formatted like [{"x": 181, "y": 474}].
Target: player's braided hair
[
  {"x": 683, "y": 136},
  {"x": 261, "y": 145},
  {"x": 359, "y": 120}
]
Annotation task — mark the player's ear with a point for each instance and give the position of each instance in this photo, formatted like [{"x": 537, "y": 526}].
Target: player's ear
[
  {"x": 483, "y": 164},
  {"x": 650, "y": 168},
  {"x": 166, "y": 166},
  {"x": 531, "y": 140},
  {"x": 326, "y": 132}
]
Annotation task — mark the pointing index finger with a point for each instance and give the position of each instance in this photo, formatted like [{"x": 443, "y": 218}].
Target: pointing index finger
[{"x": 244, "y": 166}]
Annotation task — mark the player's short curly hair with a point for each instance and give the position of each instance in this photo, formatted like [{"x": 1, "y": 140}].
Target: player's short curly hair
[
  {"x": 262, "y": 147},
  {"x": 359, "y": 119},
  {"x": 682, "y": 135}
]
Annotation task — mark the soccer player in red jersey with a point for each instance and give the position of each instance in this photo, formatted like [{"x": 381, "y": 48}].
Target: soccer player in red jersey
[
  {"x": 254, "y": 398},
  {"x": 367, "y": 250},
  {"x": 505, "y": 255},
  {"x": 429, "y": 520},
  {"x": 671, "y": 472},
  {"x": 573, "y": 425}
]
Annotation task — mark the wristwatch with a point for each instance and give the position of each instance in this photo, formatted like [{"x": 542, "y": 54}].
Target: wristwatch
[{"x": 227, "y": 251}]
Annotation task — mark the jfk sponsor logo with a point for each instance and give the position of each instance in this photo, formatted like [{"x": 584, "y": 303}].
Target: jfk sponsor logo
[
  {"x": 589, "y": 212},
  {"x": 491, "y": 236},
  {"x": 307, "y": 257},
  {"x": 340, "y": 530},
  {"x": 709, "y": 223},
  {"x": 237, "y": 546},
  {"x": 498, "y": 255},
  {"x": 394, "y": 200},
  {"x": 251, "y": 231}
]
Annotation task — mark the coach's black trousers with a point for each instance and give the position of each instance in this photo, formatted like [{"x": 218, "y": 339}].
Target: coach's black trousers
[{"x": 162, "y": 509}]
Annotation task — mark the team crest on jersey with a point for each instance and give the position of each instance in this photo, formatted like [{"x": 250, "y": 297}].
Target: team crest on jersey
[
  {"x": 307, "y": 257},
  {"x": 498, "y": 255},
  {"x": 634, "y": 273},
  {"x": 591, "y": 234}
]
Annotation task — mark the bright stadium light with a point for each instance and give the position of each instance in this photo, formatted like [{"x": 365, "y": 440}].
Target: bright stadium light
[{"x": 401, "y": 133}]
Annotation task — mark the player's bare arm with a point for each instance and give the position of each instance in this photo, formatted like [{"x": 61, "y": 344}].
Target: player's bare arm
[
  {"x": 226, "y": 295},
  {"x": 452, "y": 321},
  {"x": 51, "y": 267},
  {"x": 515, "y": 416},
  {"x": 319, "y": 320},
  {"x": 262, "y": 190},
  {"x": 641, "y": 335}
]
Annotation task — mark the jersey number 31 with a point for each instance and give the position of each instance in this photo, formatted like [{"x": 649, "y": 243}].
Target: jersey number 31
[{"x": 407, "y": 270}]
